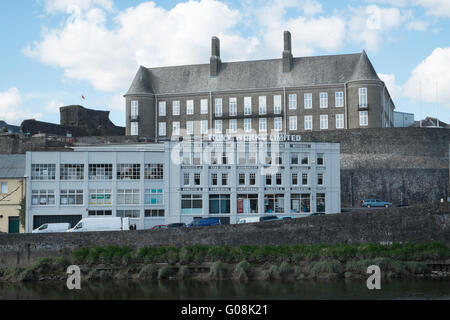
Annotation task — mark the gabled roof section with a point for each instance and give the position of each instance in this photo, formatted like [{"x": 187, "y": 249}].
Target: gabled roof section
[
  {"x": 364, "y": 69},
  {"x": 12, "y": 166},
  {"x": 141, "y": 83}
]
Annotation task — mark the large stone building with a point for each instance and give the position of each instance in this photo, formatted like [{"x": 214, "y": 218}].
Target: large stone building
[{"x": 288, "y": 95}]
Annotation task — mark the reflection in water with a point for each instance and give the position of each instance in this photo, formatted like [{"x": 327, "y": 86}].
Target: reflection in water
[{"x": 254, "y": 290}]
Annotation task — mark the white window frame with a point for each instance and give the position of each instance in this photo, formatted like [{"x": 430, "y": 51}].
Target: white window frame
[
  {"x": 308, "y": 122},
  {"x": 362, "y": 93},
  {"x": 162, "y": 109},
  {"x": 262, "y": 105},
  {"x": 176, "y": 108},
  {"x": 4, "y": 188},
  {"x": 293, "y": 101},
  {"x": 340, "y": 121},
  {"x": 277, "y": 104},
  {"x": 278, "y": 124},
  {"x": 247, "y": 125},
  {"x": 247, "y": 106},
  {"x": 218, "y": 126},
  {"x": 262, "y": 125},
  {"x": 189, "y": 127},
  {"x": 204, "y": 127},
  {"x": 339, "y": 99},
  {"x": 323, "y": 122},
  {"x": 176, "y": 128},
  {"x": 134, "y": 112},
  {"x": 364, "y": 118},
  {"x": 308, "y": 100},
  {"x": 233, "y": 107},
  {"x": 162, "y": 129},
  {"x": 293, "y": 124},
  {"x": 324, "y": 100},
  {"x": 218, "y": 107},
  {"x": 134, "y": 128},
  {"x": 204, "y": 106},
  {"x": 190, "y": 107},
  {"x": 232, "y": 126}
]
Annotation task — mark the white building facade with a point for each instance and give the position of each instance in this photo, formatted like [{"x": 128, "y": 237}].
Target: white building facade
[{"x": 171, "y": 182}]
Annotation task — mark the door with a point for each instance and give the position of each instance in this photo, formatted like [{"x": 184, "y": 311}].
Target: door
[{"x": 14, "y": 225}]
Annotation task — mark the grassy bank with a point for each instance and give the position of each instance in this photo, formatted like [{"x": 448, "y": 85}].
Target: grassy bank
[{"x": 240, "y": 263}]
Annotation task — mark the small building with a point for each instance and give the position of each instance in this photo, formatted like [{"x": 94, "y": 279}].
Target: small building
[
  {"x": 403, "y": 119},
  {"x": 430, "y": 122},
  {"x": 9, "y": 128},
  {"x": 12, "y": 191},
  {"x": 179, "y": 181}
]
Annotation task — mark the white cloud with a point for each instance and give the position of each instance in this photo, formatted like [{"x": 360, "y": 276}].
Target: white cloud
[
  {"x": 439, "y": 8},
  {"x": 394, "y": 89},
  {"x": 11, "y": 107},
  {"x": 429, "y": 81},
  {"x": 76, "y": 6},
  {"x": 53, "y": 106},
  {"x": 144, "y": 35}
]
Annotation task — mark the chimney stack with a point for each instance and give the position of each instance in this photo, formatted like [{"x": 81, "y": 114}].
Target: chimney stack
[
  {"x": 287, "y": 53},
  {"x": 215, "y": 62}
]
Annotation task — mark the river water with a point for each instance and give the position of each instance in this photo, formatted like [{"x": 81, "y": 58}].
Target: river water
[{"x": 253, "y": 290}]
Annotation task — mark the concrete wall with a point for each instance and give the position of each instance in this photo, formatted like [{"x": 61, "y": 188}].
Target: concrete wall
[{"x": 417, "y": 225}]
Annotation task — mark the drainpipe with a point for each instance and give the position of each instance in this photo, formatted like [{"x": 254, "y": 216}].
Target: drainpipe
[{"x": 346, "y": 105}]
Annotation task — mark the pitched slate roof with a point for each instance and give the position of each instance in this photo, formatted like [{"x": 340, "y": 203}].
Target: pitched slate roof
[
  {"x": 319, "y": 70},
  {"x": 11, "y": 128},
  {"x": 12, "y": 166}
]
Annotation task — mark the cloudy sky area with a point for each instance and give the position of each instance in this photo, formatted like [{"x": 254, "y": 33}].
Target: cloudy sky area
[{"x": 55, "y": 51}]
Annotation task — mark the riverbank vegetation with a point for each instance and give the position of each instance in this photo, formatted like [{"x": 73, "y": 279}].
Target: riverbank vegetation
[{"x": 239, "y": 263}]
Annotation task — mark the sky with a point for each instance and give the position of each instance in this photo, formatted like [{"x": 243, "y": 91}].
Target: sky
[{"x": 54, "y": 52}]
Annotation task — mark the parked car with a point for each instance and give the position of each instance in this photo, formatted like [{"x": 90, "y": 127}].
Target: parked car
[
  {"x": 369, "y": 203},
  {"x": 52, "y": 228},
  {"x": 317, "y": 214},
  {"x": 286, "y": 218},
  {"x": 159, "y": 227},
  {"x": 248, "y": 220},
  {"x": 207, "y": 222},
  {"x": 176, "y": 225},
  {"x": 268, "y": 218},
  {"x": 102, "y": 224}
]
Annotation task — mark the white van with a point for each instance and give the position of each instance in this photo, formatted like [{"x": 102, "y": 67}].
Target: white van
[
  {"x": 102, "y": 224},
  {"x": 248, "y": 220},
  {"x": 52, "y": 228}
]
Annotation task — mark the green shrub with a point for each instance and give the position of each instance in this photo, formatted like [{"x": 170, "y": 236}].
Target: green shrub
[
  {"x": 183, "y": 272},
  {"x": 272, "y": 273},
  {"x": 415, "y": 267},
  {"x": 325, "y": 266},
  {"x": 149, "y": 272},
  {"x": 165, "y": 272},
  {"x": 241, "y": 271},
  {"x": 217, "y": 270},
  {"x": 185, "y": 256},
  {"x": 285, "y": 269}
]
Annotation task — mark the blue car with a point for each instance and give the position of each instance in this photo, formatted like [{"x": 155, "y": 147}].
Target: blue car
[
  {"x": 207, "y": 222},
  {"x": 372, "y": 203}
]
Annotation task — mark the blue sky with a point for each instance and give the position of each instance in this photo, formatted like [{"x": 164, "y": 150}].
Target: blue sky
[{"x": 54, "y": 51}]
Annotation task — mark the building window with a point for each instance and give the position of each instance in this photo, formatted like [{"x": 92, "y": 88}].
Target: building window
[
  {"x": 4, "y": 188},
  {"x": 278, "y": 158},
  {"x": 324, "y": 100},
  {"x": 218, "y": 108},
  {"x": 224, "y": 179},
  {"x": 294, "y": 179},
  {"x": 247, "y": 203},
  {"x": 320, "y": 202},
  {"x": 100, "y": 172},
  {"x": 294, "y": 158},
  {"x": 204, "y": 126},
  {"x": 233, "y": 107},
  {"x": 274, "y": 203},
  {"x": 320, "y": 179},
  {"x": 134, "y": 109},
  {"x": 176, "y": 128},
  {"x": 363, "y": 118},
  {"x": 100, "y": 212},
  {"x": 128, "y": 172},
  {"x": 219, "y": 204},
  {"x": 262, "y": 105},
  {"x": 268, "y": 179},
  {"x": 242, "y": 160},
  {"x": 154, "y": 213},
  {"x": 224, "y": 158},
  {"x": 308, "y": 100},
  {"x": 218, "y": 126},
  {"x": 134, "y": 127},
  {"x": 323, "y": 122},
  {"x": 339, "y": 97},
  {"x": 277, "y": 104},
  {"x": 214, "y": 181},
  {"x": 278, "y": 124},
  {"x": 43, "y": 172},
  {"x": 339, "y": 121},
  {"x": 308, "y": 123},
  {"x": 292, "y": 102},
  {"x": 176, "y": 108},
  {"x": 191, "y": 204},
  {"x": 262, "y": 125},
  {"x": 197, "y": 179},
  {"x": 189, "y": 127},
  {"x": 128, "y": 196},
  {"x": 304, "y": 179},
  {"x": 247, "y": 125},
  {"x": 320, "y": 159},
  {"x": 248, "y": 106},
  {"x": 154, "y": 197},
  {"x": 305, "y": 159},
  {"x": 293, "y": 123},
  {"x": 71, "y": 197},
  {"x": 186, "y": 179},
  {"x": 100, "y": 197},
  {"x": 363, "y": 97},
  {"x": 128, "y": 213},
  {"x": 162, "y": 109},
  {"x": 241, "y": 179},
  {"x": 204, "y": 106},
  {"x": 72, "y": 171},
  {"x": 300, "y": 203},
  {"x": 162, "y": 129},
  {"x": 154, "y": 172},
  {"x": 233, "y": 126},
  {"x": 190, "y": 107},
  {"x": 252, "y": 179},
  {"x": 279, "y": 179},
  {"x": 43, "y": 197}
]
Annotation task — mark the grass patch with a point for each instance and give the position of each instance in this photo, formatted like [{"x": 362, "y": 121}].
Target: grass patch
[{"x": 325, "y": 266}]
